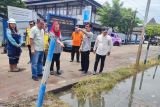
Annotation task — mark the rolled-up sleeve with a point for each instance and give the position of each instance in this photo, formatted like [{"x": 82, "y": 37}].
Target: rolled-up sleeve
[
  {"x": 88, "y": 34},
  {"x": 110, "y": 44},
  {"x": 32, "y": 33},
  {"x": 96, "y": 44}
]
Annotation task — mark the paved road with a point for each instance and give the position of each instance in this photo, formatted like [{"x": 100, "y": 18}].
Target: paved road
[{"x": 20, "y": 84}]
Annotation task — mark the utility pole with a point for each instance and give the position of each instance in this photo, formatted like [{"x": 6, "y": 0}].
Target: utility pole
[
  {"x": 139, "y": 54},
  {"x": 132, "y": 25},
  {"x": 132, "y": 90},
  {"x": 142, "y": 35}
]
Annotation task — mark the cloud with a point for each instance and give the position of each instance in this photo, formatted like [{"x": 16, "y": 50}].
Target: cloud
[{"x": 140, "y": 5}]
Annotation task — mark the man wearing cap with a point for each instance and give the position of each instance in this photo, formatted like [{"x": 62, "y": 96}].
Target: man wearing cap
[{"x": 102, "y": 48}]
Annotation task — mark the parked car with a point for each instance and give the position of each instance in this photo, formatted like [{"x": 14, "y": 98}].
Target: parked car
[
  {"x": 135, "y": 39},
  {"x": 123, "y": 37},
  {"x": 117, "y": 41},
  {"x": 67, "y": 45},
  {"x": 154, "y": 41}
]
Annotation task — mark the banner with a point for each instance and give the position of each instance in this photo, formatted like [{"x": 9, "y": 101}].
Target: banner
[
  {"x": 21, "y": 14},
  {"x": 87, "y": 14}
]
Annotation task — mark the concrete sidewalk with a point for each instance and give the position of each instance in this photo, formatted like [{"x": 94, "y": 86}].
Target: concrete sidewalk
[{"x": 20, "y": 84}]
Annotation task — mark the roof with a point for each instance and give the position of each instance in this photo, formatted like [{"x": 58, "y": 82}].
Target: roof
[
  {"x": 45, "y": 2},
  {"x": 152, "y": 21},
  {"x": 93, "y": 2}
]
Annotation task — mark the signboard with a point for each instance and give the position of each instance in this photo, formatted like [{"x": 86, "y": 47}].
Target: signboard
[
  {"x": 21, "y": 14},
  {"x": 87, "y": 14},
  {"x": 67, "y": 24},
  {"x": 137, "y": 30}
]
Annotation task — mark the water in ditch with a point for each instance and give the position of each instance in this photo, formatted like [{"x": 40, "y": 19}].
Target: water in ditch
[{"x": 125, "y": 94}]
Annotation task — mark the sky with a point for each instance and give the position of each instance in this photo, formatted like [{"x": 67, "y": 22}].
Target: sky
[{"x": 140, "y": 5}]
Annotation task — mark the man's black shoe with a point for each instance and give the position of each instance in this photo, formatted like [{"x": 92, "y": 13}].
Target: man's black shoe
[
  {"x": 58, "y": 72},
  {"x": 35, "y": 78},
  {"x": 40, "y": 75},
  {"x": 3, "y": 53},
  {"x": 80, "y": 70}
]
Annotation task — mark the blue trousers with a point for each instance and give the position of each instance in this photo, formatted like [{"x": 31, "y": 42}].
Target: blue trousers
[{"x": 37, "y": 63}]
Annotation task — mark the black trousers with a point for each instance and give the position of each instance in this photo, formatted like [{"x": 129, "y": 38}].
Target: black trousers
[
  {"x": 85, "y": 61},
  {"x": 5, "y": 48},
  {"x": 29, "y": 49},
  {"x": 75, "y": 49},
  {"x": 56, "y": 58},
  {"x": 102, "y": 58}
]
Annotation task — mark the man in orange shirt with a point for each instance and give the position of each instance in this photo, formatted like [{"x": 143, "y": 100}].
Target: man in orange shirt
[{"x": 76, "y": 43}]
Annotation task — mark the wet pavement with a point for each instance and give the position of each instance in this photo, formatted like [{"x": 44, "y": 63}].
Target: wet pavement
[
  {"x": 125, "y": 94},
  {"x": 20, "y": 84}
]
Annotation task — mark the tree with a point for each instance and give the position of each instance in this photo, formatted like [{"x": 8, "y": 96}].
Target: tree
[
  {"x": 127, "y": 16},
  {"x": 105, "y": 13},
  {"x": 116, "y": 16},
  {"x": 5, "y": 3},
  {"x": 152, "y": 30},
  {"x": 109, "y": 15}
]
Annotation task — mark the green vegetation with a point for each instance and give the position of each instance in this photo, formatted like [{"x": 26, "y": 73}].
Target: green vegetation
[
  {"x": 49, "y": 101},
  {"x": 5, "y": 3},
  {"x": 93, "y": 86},
  {"x": 153, "y": 30},
  {"x": 118, "y": 17},
  {"x": 53, "y": 101}
]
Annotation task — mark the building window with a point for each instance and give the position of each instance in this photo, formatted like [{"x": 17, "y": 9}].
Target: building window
[
  {"x": 65, "y": 11},
  {"x": 78, "y": 11},
  {"x": 58, "y": 11},
  {"x": 40, "y": 11},
  {"x": 70, "y": 10},
  {"x": 53, "y": 10},
  {"x": 50, "y": 10},
  {"x": 61, "y": 11},
  {"x": 74, "y": 11}
]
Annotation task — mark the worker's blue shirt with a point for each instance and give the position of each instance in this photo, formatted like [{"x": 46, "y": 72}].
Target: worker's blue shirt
[{"x": 13, "y": 44}]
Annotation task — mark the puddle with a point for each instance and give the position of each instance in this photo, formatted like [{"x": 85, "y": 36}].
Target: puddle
[{"x": 124, "y": 94}]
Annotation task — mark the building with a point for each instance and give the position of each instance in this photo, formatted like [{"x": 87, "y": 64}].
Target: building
[
  {"x": 70, "y": 8},
  {"x": 152, "y": 22}
]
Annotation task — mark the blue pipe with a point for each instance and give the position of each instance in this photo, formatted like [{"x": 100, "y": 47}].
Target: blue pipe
[{"x": 46, "y": 73}]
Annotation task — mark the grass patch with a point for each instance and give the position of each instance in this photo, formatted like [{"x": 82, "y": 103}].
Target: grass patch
[
  {"x": 53, "y": 101},
  {"x": 90, "y": 87},
  {"x": 93, "y": 86},
  {"x": 49, "y": 101}
]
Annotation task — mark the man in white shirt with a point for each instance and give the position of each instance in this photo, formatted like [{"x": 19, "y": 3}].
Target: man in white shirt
[
  {"x": 37, "y": 49},
  {"x": 102, "y": 48}
]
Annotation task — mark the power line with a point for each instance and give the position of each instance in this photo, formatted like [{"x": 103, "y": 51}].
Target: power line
[{"x": 133, "y": 3}]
